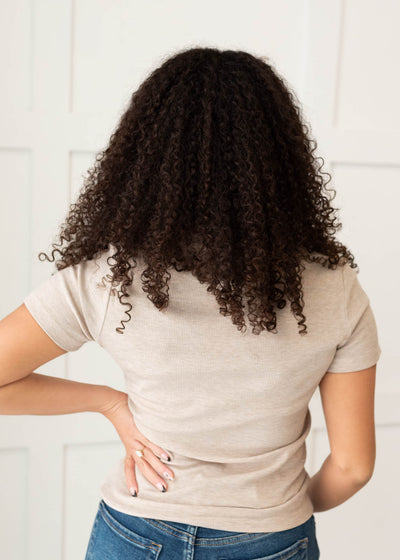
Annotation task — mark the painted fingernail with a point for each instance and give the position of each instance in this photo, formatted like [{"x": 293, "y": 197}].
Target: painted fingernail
[
  {"x": 165, "y": 456},
  {"x": 167, "y": 475},
  {"x": 133, "y": 492},
  {"x": 161, "y": 487}
]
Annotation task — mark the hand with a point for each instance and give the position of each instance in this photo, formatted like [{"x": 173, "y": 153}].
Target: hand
[{"x": 149, "y": 464}]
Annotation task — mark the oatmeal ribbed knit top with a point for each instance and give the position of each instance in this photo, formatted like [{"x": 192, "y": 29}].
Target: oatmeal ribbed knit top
[{"x": 231, "y": 408}]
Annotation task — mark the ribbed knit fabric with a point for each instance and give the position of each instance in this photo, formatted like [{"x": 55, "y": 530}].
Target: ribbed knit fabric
[{"x": 231, "y": 408}]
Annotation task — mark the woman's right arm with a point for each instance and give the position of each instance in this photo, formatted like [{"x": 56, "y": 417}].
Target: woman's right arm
[{"x": 348, "y": 406}]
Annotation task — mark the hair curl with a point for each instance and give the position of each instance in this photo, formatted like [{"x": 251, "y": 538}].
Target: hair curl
[{"x": 210, "y": 169}]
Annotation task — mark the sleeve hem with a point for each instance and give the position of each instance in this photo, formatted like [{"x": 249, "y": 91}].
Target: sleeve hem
[
  {"x": 358, "y": 366},
  {"x": 39, "y": 322}
]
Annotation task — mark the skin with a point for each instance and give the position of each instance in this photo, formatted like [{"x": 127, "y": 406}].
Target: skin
[
  {"x": 348, "y": 406},
  {"x": 23, "y": 391}
]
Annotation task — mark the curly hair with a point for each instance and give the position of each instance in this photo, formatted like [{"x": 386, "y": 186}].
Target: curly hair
[{"x": 210, "y": 169}]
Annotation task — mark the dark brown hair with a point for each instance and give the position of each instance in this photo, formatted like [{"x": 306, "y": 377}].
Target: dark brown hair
[{"x": 210, "y": 169}]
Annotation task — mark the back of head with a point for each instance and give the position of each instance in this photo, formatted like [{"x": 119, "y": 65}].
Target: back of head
[{"x": 211, "y": 168}]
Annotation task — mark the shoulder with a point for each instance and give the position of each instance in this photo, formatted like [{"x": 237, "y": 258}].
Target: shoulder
[
  {"x": 317, "y": 276},
  {"x": 89, "y": 274}
]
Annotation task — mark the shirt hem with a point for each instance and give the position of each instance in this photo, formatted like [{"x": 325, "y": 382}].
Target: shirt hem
[{"x": 272, "y": 519}]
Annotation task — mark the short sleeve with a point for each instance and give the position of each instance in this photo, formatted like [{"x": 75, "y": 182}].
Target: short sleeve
[
  {"x": 359, "y": 349},
  {"x": 70, "y": 305}
]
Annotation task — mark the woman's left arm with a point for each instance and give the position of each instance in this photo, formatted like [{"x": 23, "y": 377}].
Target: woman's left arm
[
  {"x": 24, "y": 346},
  {"x": 44, "y": 394}
]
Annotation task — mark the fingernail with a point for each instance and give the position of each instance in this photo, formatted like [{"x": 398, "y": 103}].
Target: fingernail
[
  {"x": 167, "y": 475},
  {"x": 133, "y": 492},
  {"x": 160, "y": 486},
  {"x": 165, "y": 456}
]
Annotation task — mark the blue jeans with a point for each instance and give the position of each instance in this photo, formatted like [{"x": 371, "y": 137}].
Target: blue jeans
[{"x": 119, "y": 536}]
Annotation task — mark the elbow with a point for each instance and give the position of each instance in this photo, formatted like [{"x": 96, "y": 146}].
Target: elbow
[
  {"x": 362, "y": 476},
  {"x": 366, "y": 478},
  {"x": 359, "y": 474}
]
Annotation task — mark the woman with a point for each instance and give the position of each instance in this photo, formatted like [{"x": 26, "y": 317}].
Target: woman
[{"x": 207, "y": 208}]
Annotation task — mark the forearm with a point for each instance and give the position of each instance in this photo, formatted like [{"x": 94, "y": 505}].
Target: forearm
[
  {"x": 43, "y": 394},
  {"x": 331, "y": 486}
]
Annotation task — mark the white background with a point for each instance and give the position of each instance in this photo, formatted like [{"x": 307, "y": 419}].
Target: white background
[{"x": 68, "y": 69}]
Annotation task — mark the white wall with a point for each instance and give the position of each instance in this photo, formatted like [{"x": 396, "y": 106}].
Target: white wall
[{"x": 68, "y": 68}]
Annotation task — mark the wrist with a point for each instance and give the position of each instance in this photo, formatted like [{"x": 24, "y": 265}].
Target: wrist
[{"x": 111, "y": 399}]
